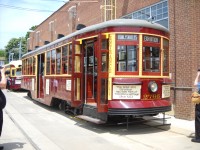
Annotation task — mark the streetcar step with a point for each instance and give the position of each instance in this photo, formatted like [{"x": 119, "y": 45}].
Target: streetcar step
[{"x": 90, "y": 119}]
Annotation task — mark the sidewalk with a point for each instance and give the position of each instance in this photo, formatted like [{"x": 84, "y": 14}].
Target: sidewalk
[
  {"x": 184, "y": 127},
  {"x": 12, "y": 137}
]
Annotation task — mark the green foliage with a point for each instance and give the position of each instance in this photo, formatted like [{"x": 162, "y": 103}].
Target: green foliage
[
  {"x": 31, "y": 29},
  {"x": 13, "y": 46},
  {"x": 2, "y": 53}
]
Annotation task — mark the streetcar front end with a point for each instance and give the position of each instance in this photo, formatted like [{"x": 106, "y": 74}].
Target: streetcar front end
[{"x": 139, "y": 96}]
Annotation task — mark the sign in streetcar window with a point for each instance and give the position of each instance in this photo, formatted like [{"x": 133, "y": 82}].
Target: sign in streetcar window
[
  {"x": 131, "y": 37},
  {"x": 47, "y": 86},
  {"x": 33, "y": 81},
  {"x": 151, "y": 39},
  {"x": 17, "y": 81},
  {"x": 165, "y": 91},
  {"x": 68, "y": 85},
  {"x": 126, "y": 91}
]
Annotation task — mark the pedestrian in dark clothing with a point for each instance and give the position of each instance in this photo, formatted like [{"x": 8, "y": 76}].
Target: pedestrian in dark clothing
[
  {"x": 2, "y": 99},
  {"x": 8, "y": 82},
  {"x": 197, "y": 112}
]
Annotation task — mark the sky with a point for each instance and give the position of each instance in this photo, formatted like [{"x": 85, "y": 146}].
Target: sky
[{"x": 18, "y": 16}]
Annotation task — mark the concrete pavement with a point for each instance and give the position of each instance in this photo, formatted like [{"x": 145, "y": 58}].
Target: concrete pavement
[
  {"x": 12, "y": 136},
  {"x": 15, "y": 136}
]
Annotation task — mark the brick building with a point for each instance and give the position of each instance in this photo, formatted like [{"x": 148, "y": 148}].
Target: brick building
[{"x": 181, "y": 17}]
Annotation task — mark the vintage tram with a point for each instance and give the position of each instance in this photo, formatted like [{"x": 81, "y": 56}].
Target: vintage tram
[
  {"x": 13, "y": 74},
  {"x": 115, "y": 68}
]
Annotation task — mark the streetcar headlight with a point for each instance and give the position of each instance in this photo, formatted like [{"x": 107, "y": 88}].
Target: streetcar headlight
[{"x": 153, "y": 87}]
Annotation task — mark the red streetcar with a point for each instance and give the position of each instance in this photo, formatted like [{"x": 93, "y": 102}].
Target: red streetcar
[
  {"x": 115, "y": 68},
  {"x": 13, "y": 74}
]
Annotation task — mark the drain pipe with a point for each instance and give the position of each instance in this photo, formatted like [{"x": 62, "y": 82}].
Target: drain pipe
[{"x": 175, "y": 53}]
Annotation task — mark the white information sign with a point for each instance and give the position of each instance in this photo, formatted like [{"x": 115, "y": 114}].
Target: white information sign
[
  {"x": 126, "y": 91},
  {"x": 17, "y": 81},
  {"x": 47, "y": 86},
  {"x": 68, "y": 85},
  {"x": 165, "y": 91},
  {"x": 33, "y": 81}
]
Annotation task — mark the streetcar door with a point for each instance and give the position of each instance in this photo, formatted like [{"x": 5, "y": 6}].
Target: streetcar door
[
  {"x": 40, "y": 76},
  {"x": 90, "y": 72}
]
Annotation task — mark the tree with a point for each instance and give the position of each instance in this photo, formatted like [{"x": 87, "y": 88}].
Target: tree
[
  {"x": 28, "y": 33},
  {"x": 13, "y": 47},
  {"x": 2, "y": 53}
]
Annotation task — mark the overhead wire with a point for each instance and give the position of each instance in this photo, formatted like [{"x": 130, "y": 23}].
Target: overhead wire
[{"x": 26, "y": 9}]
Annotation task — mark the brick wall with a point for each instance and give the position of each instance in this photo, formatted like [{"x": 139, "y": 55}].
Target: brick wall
[
  {"x": 184, "y": 19},
  {"x": 86, "y": 13}
]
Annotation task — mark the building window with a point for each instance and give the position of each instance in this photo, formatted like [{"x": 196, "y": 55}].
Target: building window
[
  {"x": 37, "y": 38},
  {"x": 158, "y": 12},
  {"x": 51, "y": 30},
  {"x": 51, "y": 26}
]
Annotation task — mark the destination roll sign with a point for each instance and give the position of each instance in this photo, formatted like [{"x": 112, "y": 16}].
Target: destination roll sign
[{"x": 152, "y": 39}]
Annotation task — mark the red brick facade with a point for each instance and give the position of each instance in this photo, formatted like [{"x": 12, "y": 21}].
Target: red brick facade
[{"x": 184, "y": 24}]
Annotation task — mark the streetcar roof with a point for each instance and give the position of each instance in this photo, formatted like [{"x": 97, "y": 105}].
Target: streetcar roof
[
  {"x": 110, "y": 23},
  {"x": 15, "y": 63}
]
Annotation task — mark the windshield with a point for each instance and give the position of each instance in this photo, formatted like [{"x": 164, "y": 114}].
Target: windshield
[{"x": 151, "y": 59}]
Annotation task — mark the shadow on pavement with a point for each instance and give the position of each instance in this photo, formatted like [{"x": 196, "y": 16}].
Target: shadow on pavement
[{"x": 13, "y": 145}]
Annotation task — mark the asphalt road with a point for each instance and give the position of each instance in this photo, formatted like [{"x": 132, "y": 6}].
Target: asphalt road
[{"x": 31, "y": 125}]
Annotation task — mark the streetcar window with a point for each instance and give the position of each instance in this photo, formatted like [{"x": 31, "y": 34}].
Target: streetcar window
[
  {"x": 18, "y": 72},
  {"x": 25, "y": 67},
  {"x": 104, "y": 44},
  {"x": 13, "y": 72},
  {"x": 151, "y": 59},
  {"x": 166, "y": 56},
  {"x": 58, "y": 61},
  {"x": 104, "y": 91},
  {"x": 64, "y": 59},
  {"x": 70, "y": 59},
  {"x": 30, "y": 66},
  {"x": 77, "y": 61},
  {"x": 48, "y": 62},
  {"x": 53, "y": 55},
  {"x": 34, "y": 65},
  {"x": 70, "y": 49},
  {"x": 104, "y": 59},
  {"x": 127, "y": 58}
]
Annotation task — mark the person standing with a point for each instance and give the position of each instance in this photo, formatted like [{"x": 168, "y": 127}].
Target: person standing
[
  {"x": 2, "y": 99},
  {"x": 197, "y": 112}
]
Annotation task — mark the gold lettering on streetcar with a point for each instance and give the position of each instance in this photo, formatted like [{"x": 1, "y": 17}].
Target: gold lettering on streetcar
[{"x": 151, "y": 96}]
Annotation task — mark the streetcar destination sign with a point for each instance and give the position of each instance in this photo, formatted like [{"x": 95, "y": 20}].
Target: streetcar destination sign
[{"x": 151, "y": 39}]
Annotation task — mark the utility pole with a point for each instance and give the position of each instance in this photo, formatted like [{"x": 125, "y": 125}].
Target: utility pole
[{"x": 10, "y": 57}]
